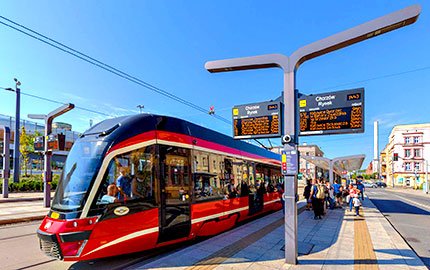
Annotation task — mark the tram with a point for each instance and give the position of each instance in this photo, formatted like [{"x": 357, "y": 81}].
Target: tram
[{"x": 178, "y": 180}]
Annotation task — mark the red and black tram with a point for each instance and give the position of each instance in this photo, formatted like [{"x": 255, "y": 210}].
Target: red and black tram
[{"x": 180, "y": 181}]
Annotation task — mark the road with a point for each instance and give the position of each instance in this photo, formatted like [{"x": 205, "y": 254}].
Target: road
[
  {"x": 409, "y": 213},
  {"x": 19, "y": 249}
]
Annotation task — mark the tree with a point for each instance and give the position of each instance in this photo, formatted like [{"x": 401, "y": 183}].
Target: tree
[{"x": 26, "y": 147}]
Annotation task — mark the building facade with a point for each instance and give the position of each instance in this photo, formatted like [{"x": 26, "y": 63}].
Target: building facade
[
  {"x": 307, "y": 170},
  {"x": 406, "y": 154},
  {"x": 31, "y": 127}
]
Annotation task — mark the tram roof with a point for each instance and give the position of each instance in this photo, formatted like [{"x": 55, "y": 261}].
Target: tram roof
[{"x": 122, "y": 128}]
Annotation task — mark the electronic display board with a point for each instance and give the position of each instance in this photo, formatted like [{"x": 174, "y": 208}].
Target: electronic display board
[
  {"x": 332, "y": 113},
  {"x": 257, "y": 120}
]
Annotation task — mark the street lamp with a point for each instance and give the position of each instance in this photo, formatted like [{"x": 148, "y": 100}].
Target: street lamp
[
  {"x": 47, "y": 175},
  {"x": 16, "y": 168},
  {"x": 290, "y": 65}
]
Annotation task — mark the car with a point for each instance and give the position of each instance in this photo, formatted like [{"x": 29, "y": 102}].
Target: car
[
  {"x": 381, "y": 184},
  {"x": 369, "y": 185}
]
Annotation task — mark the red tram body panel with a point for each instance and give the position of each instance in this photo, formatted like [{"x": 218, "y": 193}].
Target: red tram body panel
[{"x": 140, "y": 182}]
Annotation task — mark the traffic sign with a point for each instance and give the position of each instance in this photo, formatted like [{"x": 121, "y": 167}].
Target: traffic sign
[{"x": 338, "y": 112}]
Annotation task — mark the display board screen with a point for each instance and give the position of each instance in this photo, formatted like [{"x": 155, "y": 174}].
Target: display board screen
[
  {"x": 258, "y": 120},
  {"x": 332, "y": 113}
]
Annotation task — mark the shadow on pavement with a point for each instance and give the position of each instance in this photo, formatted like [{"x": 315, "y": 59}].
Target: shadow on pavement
[{"x": 397, "y": 206}]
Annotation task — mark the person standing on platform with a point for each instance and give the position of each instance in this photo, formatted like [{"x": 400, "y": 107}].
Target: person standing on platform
[
  {"x": 337, "y": 190},
  {"x": 352, "y": 192},
  {"x": 360, "y": 186},
  {"x": 307, "y": 195},
  {"x": 317, "y": 196}
]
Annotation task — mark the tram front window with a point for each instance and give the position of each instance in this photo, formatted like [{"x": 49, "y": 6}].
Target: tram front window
[{"x": 82, "y": 164}]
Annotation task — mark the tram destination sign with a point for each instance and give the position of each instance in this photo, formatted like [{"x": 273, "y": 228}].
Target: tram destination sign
[
  {"x": 257, "y": 120},
  {"x": 338, "y": 112}
]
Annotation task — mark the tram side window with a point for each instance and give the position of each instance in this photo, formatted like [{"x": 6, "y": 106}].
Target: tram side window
[
  {"x": 130, "y": 177},
  {"x": 207, "y": 183}
]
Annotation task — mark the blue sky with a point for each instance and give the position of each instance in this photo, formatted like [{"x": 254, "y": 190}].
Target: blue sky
[{"x": 166, "y": 43}]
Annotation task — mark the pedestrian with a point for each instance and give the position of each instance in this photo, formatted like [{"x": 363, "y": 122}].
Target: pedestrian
[
  {"x": 360, "y": 186},
  {"x": 307, "y": 195},
  {"x": 330, "y": 195},
  {"x": 317, "y": 196},
  {"x": 352, "y": 192},
  {"x": 357, "y": 203},
  {"x": 337, "y": 190},
  {"x": 345, "y": 193}
]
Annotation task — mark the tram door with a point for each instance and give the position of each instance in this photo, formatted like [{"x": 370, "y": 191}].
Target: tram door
[{"x": 175, "y": 175}]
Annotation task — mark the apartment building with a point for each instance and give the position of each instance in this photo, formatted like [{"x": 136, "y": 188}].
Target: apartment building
[{"x": 404, "y": 158}]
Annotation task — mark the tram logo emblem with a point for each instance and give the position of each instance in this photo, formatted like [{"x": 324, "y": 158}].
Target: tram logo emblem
[{"x": 121, "y": 211}]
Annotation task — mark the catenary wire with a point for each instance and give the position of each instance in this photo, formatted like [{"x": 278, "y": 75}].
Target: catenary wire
[{"x": 106, "y": 67}]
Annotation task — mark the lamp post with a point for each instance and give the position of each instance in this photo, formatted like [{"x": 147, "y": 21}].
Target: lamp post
[
  {"x": 290, "y": 65},
  {"x": 16, "y": 168},
  {"x": 47, "y": 175}
]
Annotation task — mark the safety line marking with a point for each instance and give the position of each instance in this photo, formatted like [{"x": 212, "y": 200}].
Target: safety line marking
[{"x": 364, "y": 254}]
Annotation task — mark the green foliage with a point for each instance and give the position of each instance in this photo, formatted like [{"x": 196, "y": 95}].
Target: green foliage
[
  {"x": 31, "y": 183},
  {"x": 26, "y": 147}
]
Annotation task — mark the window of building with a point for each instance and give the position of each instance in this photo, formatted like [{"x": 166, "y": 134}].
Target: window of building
[
  {"x": 407, "y": 140},
  {"x": 407, "y": 166},
  {"x": 416, "y": 139},
  {"x": 417, "y": 153},
  {"x": 417, "y": 166},
  {"x": 407, "y": 152}
]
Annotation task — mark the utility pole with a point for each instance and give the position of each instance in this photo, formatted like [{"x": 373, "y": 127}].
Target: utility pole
[{"x": 16, "y": 168}]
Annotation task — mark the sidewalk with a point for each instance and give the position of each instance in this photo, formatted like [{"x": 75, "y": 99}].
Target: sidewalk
[
  {"x": 338, "y": 241},
  {"x": 22, "y": 207}
]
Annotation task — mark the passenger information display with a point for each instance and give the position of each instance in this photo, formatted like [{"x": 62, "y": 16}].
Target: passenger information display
[
  {"x": 257, "y": 120},
  {"x": 332, "y": 113}
]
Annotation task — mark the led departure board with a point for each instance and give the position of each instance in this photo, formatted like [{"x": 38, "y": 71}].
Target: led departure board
[
  {"x": 332, "y": 113},
  {"x": 257, "y": 120}
]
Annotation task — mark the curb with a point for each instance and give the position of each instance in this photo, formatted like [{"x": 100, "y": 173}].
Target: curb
[
  {"x": 9, "y": 200},
  {"x": 20, "y": 220}
]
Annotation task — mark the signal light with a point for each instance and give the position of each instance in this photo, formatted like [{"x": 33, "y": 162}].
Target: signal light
[{"x": 396, "y": 157}]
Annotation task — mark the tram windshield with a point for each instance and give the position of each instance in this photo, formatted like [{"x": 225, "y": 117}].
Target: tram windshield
[{"x": 82, "y": 164}]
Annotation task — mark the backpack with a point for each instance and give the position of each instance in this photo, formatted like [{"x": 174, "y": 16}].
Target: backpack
[{"x": 321, "y": 192}]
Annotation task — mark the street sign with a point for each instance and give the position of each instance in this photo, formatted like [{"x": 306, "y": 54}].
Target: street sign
[
  {"x": 257, "y": 120},
  {"x": 338, "y": 112},
  {"x": 289, "y": 161}
]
